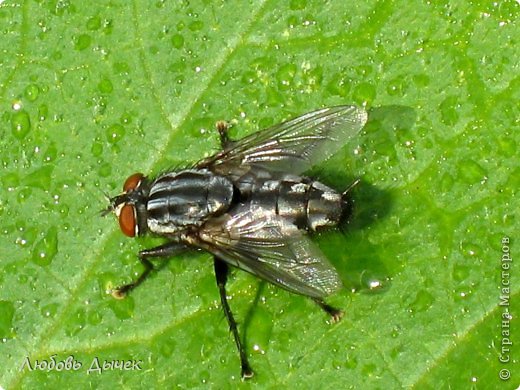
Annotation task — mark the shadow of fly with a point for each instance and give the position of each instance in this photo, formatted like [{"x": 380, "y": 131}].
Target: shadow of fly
[{"x": 250, "y": 206}]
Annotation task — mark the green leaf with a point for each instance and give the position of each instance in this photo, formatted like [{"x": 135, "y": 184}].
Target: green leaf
[{"x": 93, "y": 94}]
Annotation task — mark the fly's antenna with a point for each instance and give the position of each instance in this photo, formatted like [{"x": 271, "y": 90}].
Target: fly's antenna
[
  {"x": 347, "y": 203},
  {"x": 108, "y": 209},
  {"x": 349, "y": 188}
]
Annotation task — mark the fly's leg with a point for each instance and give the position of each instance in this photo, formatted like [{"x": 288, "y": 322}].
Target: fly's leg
[
  {"x": 167, "y": 250},
  {"x": 225, "y": 141},
  {"x": 335, "y": 314},
  {"x": 221, "y": 272}
]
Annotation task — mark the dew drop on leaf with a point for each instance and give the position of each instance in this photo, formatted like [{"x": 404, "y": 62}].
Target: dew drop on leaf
[
  {"x": 471, "y": 172},
  {"x": 82, "y": 42},
  {"x": 20, "y": 124},
  {"x": 423, "y": 301},
  {"x": 49, "y": 310},
  {"x": 31, "y": 92},
  {"x": 448, "y": 109},
  {"x": 177, "y": 41},
  {"x": 7, "y": 311},
  {"x": 115, "y": 133},
  {"x": 45, "y": 249}
]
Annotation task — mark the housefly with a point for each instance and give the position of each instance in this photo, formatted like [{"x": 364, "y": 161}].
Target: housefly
[{"x": 250, "y": 206}]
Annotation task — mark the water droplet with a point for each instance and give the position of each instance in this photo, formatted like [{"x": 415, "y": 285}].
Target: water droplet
[
  {"x": 471, "y": 172},
  {"x": 7, "y": 311},
  {"x": 40, "y": 178},
  {"x": 168, "y": 346},
  {"x": 396, "y": 331},
  {"x": 23, "y": 195},
  {"x": 507, "y": 146},
  {"x": 43, "y": 112},
  {"x": 449, "y": 111},
  {"x": 126, "y": 118},
  {"x": 121, "y": 68},
  {"x": 369, "y": 369},
  {"x": 50, "y": 154},
  {"x": 20, "y": 124},
  {"x": 285, "y": 75},
  {"x": 94, "y": 317},
  {"x": 96, "y": 149},
  {"x": 298, "y": 4},
  {"x": 10, "y": 181},
  {"x": 460, "y": 272},
  {"x": 31, "y": 92},
  {"x": 82, "y": 42},
  {"x": 260, "y": 329},
  {"x": 94, "y": 23},
  {"x": 421, "y": 80},
  {"x": 469, "y": 249},
  {"x": 423, "y": 301},
  {"x": 396, "y": 87},
  {"x": 365, "y": 93},
  {"x": 75, "y": 323},
  {"x": 461, "y": 292},
  {"x": 339, "y": 86},
  {"x": 49, "y": 310},
  {"x": 177, "y": 41},
  {"x": 196, "y": 25},
  {"x": 351, "y": 362},
  {"x": 123, "y": 308},
  {"x": 105, "y": 86},
  {"x": 115, "y": 133},
  {"x": 446, "y": 183},
  {"x": 45, "y": 249},
  {"x": 105, "y": 170}
]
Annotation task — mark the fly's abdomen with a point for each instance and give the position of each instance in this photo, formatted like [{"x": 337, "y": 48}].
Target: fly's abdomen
[
  {"x": 307, "y": 204},
  {"x": 187, "y": 198}
]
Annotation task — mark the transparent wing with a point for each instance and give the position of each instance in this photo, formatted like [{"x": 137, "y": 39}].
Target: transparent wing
[
  {"x": 272, "y": 248},
  {"x": 293, "y": 146}
]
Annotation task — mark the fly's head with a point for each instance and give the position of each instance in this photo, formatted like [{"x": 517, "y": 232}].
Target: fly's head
[{"x": 130, "y": 206}]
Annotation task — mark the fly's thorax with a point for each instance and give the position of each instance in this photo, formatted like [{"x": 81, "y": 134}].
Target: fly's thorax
[
  {"x": 307, "y": 204},
  {"x": 181, "y": 200}
]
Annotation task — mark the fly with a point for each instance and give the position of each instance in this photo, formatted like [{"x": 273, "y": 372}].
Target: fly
[{"x": 250, "y": 206}]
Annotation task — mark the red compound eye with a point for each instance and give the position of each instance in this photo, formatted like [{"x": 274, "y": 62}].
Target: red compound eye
[
  {"x": 127, "y": 220},
  {"x": 132, "y": 182}
]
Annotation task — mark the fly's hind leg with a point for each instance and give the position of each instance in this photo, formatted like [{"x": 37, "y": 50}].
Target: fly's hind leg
[
  {"x": 167, "y": 250},
  {"x": 334, "y": 313},
  {"x": 221, "y": 273}
]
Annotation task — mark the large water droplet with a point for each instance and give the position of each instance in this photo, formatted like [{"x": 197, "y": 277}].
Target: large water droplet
[
  {"x": 49, "y": 310},
  {"x": 285, "y": 76},
  {"x": 423, "y": 301},
  {"x": 365, "y": 93},
  {"x": 123, "y": 308},
  {"x": 177, "y": 41},
  {"x": 41, "y": 178},
  {"x": 76, "y": 322},
  {"x": 471, "y": 172},
  {"x": 20, "y": 124},
  {"x": 94, "y": 23},
  {"x": 45, "y": 249},
  {"x": 7, "y": 311},
  {"x": 115, "y": 133},
  {"x": 82, "y": 42},
  {"x": 31, "y": 92},
  {"x": 449, "y": 111},
  {"x": 260, "y": 327},
  {"x": 105, "y": 86}
]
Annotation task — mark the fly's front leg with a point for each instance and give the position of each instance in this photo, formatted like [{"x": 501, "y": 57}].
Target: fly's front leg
[
  {"x": 225, "y": 141},
  {"x": 221, "y": 272},
  {"x": 335, "y": 314},
  {"x": 167, "y": 250}
]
